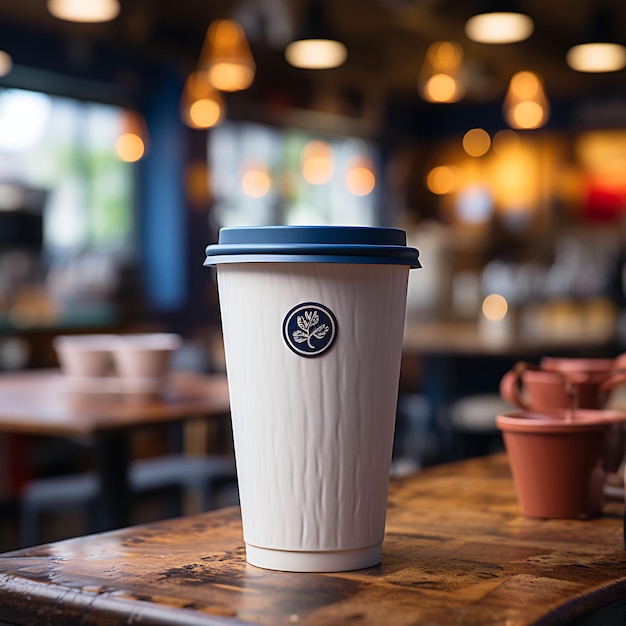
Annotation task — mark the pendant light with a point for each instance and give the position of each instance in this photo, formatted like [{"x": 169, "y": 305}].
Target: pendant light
[
  {"x": 316, "y": 47},
  {"x": 84, "y": 10},
  {"x": 201, "y": 105},
  {"x": 226, "y": 56},
  {"x": 441, "y": 79},
  {"x": 600, "y": 52},
  {"x": 499, "y": 22},
  {"x": 526, "y": 103},
  {"x": 132, "y": 143}
]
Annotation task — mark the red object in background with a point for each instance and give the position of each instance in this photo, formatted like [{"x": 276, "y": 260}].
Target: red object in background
[{"x": 604, "y": 203}]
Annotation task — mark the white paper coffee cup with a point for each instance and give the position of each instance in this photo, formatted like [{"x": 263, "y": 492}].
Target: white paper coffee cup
[{"x": 312, "y": 319}]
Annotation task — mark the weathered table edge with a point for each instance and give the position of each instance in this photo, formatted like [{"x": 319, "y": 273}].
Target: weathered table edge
[{"x": 116, "y": 611}]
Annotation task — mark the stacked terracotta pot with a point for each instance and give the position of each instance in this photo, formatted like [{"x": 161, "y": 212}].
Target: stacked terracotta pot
[{"x": 563, "y": 442}]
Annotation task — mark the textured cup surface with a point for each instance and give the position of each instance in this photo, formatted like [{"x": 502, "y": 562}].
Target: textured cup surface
[{"x": 313, "y": 433}]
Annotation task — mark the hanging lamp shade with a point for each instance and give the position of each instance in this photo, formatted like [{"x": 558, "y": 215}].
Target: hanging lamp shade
[
  {"x": 597, "y": 57},
  {"x": 84, "y": 10},
  {"x": 316, "y": 47},
  {"x": 132, "y": 144},
  {"x": 226, "y": 57},
  {"x": 600, "y": 51},
  {"x": 441, "y": 76},
  {"x": 201, "y": 105},
  {"x": 499, "y": 21},
  {"x": 526, "y": 104}
]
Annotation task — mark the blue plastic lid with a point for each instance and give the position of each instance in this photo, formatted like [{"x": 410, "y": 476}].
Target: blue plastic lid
[{"x": 312, "y": 244}]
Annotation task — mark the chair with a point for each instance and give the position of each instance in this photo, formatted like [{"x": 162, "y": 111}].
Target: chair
[
  {"x": 175, "y": 475},
  {"x": 472, "y": 421},
  {"x": 415, "y": 439}
]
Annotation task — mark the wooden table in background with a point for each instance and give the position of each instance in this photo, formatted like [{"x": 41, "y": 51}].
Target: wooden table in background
[
  {"x": 43, "y": 402},
  {"x": 456, "y": 551}
]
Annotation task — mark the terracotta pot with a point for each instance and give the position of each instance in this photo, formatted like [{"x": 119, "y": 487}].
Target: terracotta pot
[
  {"x": 607, "y": 373},
  {"x": 568, "y": 364},
  {"x": 559, "y": 464},
  {"x": 560, "y": 383}
]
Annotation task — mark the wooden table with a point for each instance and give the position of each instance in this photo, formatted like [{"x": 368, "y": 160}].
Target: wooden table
[
  {"x": 456, "y": 551},
  {"x": 43, "y": 402}
]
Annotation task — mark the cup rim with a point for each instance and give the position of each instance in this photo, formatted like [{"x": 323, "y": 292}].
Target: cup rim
[
  {"x": 556, "y": 420},
  {"x": 361, "y": 245},
  {"x": 576, "y": 364},
  {"x": 97, "y": 342},
  {"x": 542, "y": 375},
  {"x": 147, "y": 341}
]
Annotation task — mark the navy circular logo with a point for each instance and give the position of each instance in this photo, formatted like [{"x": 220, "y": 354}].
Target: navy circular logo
[{"x": 310, "y": 329}]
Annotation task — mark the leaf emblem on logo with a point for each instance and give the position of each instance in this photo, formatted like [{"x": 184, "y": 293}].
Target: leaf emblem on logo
[
  {"x": 309, "y": 328},
  {"x": 299, "y": 336}
]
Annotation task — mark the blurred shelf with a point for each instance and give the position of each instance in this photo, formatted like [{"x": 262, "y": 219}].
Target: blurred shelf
[
  {"x": 78, "y": 315},
  {"x": 456, "y": 337}
]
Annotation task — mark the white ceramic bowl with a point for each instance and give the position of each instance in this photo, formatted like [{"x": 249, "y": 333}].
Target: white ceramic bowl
[
  {"x": 84, "y": 356},
  {"x": 144, "y": 356}
]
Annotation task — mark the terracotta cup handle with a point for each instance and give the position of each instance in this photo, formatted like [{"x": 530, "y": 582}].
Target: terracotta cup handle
[
  {"x": 616, "y": 378},
  {"x": 619, "y": 362},
  {"x": 511, "y": 382}
]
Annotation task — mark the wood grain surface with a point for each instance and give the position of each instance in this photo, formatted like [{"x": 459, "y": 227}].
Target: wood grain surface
[
  {"x": 44, "y": 402},
  {"x": 456, "y": 551}
]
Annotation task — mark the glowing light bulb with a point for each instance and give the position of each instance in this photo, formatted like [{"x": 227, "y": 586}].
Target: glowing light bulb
[
  {"x": 130, "y": 147},
  {"x": 499, "y": 27},
  {"x": 360, "y": 178},
  {"x": 256, "y": 181},
  {"x": 317, "y": 164},
  {"x": 495, "y": 307},
  {"x": 442, "y": 180},
  {"x": 476, "y": 142}
]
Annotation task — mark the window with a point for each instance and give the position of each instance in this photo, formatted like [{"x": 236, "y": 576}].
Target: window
[
  {"x": 262, "y": 175},
  {"x": 58, "y": 159}
]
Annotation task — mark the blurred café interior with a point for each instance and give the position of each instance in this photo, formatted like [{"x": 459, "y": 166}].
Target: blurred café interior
[{"x": 128, "y": 139}]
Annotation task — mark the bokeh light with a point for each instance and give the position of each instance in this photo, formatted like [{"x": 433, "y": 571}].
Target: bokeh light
[
  {"x": 360, "y": 178},
  {"x": 130, "y": 147},
  {"x": 317, "y": 163},
  {"x": 255, "y": 180},
  {"x": 443, "y": 179},
  {"x": 205, "y": 113},
  {"x": 495, "y": 307},
  {"x": 476, "y": 142}
]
